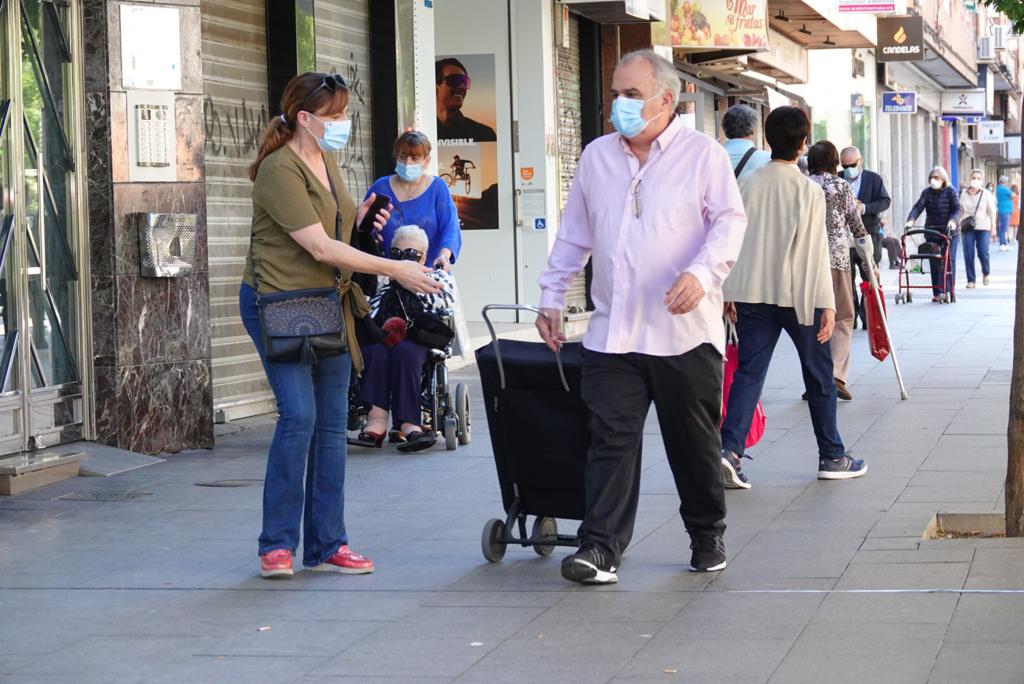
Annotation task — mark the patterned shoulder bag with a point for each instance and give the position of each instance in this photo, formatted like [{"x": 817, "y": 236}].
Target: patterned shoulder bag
[{"x": 302, "y": 325}]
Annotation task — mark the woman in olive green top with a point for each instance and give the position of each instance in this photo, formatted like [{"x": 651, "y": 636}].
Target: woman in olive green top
[{"x": 299, "y": 201}]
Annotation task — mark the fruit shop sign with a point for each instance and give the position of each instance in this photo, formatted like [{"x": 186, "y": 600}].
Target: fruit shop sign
[{"x": 715, "y": 24}]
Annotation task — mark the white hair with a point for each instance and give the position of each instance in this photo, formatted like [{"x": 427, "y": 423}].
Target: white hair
[
  {"x": 664, "y": 71},
  {"x": 977, "y": 172},
  {"x": 941, "y": 173},
  {"x": 414, "y": 234}
]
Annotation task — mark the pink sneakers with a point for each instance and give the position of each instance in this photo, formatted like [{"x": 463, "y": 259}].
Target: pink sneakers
[
  {"x": 346, "y": 561},
  {"x": 277, "y": 563}
]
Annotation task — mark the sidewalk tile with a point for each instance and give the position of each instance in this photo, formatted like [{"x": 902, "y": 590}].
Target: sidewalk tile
[{"x": 991, "y": 663}]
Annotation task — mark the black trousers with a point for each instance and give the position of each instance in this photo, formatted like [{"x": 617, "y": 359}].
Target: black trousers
[{"x": 687, "y": 392}]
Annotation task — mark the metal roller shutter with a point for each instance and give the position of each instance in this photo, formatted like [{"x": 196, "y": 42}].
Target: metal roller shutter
[
  {"x": 343, "y": 47},
  {"x": 235, "y": 111},
  {"x": 570, "y": 139}
]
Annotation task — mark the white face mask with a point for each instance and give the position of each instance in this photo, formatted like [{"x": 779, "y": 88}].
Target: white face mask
[
  {"x": 935, "y": 183},
  {"x": 976, "y": 183}
]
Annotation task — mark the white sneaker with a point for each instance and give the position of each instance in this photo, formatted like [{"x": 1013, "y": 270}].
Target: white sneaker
[
  {"x": 970, "y": 286},
  {"x": 984, "y": 280}
]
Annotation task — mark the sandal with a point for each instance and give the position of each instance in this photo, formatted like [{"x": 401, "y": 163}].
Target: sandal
[
  {"x": 370, "y": 440},
  {"x": 418, "y": 441}
]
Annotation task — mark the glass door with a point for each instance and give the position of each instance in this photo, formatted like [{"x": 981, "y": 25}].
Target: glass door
[{"x": 40, "y": 251}]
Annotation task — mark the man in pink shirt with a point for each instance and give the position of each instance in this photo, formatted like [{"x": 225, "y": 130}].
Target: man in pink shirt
[{"x": 657, "y": 207}]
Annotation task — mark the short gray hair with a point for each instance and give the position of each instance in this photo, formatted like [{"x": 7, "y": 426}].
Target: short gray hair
[
  {"x": 413, "y": 234},
  {"x": 851, "y": 148},
  {"x": 1004, "y": 179},
  {"x": 664, "y": 71},
  {"x": 739, "y": 121},
  {"x": 977, "y": 172}
]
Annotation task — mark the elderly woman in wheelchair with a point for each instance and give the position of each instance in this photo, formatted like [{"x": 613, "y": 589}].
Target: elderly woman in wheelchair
[{"x": 411, "y": 326}]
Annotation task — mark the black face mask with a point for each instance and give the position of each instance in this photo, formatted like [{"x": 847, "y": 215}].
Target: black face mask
[{"x": 407, "y": 254}]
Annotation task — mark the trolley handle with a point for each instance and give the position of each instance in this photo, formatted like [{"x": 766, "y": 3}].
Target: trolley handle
[{"x": 497, "y": 346}]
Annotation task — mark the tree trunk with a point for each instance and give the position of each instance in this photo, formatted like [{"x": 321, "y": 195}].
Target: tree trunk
[{"x": 1015, "y": 430}]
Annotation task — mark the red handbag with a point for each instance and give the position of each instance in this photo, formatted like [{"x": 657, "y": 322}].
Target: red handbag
[
  {"x": 877, "y": 337},
  {"x": 732, "y": 361}
]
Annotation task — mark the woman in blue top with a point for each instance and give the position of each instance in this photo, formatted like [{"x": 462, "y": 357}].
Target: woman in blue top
[{"x": 420, "y": 199}]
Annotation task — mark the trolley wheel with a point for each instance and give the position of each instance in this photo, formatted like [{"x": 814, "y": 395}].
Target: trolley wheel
[
  {"x": 491, "y": 543},
  {"x": 899, "y": 299},
  {"x": 945, "y": 298},
  {"x": 909, "y": 298},
  {"x": 451, "y": 429},
  {"x": 462, "y": 413},
  {"x": 544, "y": 528}
]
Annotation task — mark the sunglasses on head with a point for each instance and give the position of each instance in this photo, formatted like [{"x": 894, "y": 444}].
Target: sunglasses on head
[
  {"x": 456, "y": 81},
  {"x": 407, "y": 254},
  {"x": 332, "y": 82}
]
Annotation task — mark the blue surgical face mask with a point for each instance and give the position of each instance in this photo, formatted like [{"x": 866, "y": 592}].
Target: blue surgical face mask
[
  {"x": 853, "y": 172},
  {"x": 335, "y": 136},
  {"x": 410, "y": 173},
  {"x": 627, "y": 115}
]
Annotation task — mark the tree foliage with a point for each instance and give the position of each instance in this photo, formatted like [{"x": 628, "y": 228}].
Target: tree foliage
[{"x": 1013, "y": 9}]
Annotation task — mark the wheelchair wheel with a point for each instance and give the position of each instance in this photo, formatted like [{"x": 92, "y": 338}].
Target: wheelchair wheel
[
  {"x": 462, "y": 413},
  {"x": 451, "y": 432}
]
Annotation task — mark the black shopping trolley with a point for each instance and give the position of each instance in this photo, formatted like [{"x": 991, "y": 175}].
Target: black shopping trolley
[
  {"x": 935, "y": 251},
  {"x": 539, "y": 434}
]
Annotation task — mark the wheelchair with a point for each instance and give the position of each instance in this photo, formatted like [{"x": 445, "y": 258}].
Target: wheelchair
[{"x": 443, "y": 411}]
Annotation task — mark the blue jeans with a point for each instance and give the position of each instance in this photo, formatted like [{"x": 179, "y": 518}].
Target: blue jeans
[
  {"x": 1002, "y": 225},
  {"x": 312, "y": 402},
  {"x": 758, "y": 327},
  {"x": 976, "y": 239}
]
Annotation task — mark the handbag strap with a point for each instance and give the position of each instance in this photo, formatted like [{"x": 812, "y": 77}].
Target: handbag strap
[
  {"x": 744, "y": 160},
  {"x": 337, "y": 236}
]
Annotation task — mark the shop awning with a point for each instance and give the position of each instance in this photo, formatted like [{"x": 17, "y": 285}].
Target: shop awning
[
  {"x": 734, "y": 84},
  {"x": 818, "y": 24},
  {"x": 943, "y": 65},
  {"x": 619, "y": 11}
]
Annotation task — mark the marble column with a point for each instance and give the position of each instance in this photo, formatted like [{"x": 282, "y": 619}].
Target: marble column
[{"x": 151, "y": 336}]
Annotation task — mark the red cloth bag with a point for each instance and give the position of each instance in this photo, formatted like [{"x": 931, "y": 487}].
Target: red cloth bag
[
  {"x": 877, "y": 337},
  {"x": 732, "y": 362}
]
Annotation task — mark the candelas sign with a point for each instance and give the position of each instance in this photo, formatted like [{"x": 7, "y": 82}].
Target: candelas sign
[
  {"x": 715, "y": 24},
  {"x": 900, "y": 39}
]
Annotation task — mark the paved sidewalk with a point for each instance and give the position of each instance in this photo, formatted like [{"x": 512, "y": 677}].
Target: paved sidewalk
[{"x": 827, "y": 581}]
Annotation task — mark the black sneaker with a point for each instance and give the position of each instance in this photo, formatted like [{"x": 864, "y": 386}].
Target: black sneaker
[
  {"x": 589, "y": 565},
  {"x": 842, "y": 468},
  {"x": 734, "y": 477},
  {"x": 708, "y": 554}
]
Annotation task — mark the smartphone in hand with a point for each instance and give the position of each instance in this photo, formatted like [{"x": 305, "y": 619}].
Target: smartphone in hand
[{"x": 379, "y": 202}]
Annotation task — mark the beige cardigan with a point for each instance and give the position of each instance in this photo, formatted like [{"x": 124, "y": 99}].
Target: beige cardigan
[{"x": 784, "y": 259}]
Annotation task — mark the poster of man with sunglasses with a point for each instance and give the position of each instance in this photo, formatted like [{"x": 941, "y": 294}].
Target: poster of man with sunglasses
[{"x": 466, "y": 139}]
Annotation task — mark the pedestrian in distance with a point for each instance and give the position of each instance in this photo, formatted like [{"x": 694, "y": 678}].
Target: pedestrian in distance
[
  {"x": 977, "y": 226},
  {"x": 1015, "y": 215},
  {"x": 657, "y": 206},
  {"x": 303, "y": 218},
  {"x": 873, "y": 200},
  {"x": 1004, "y": 202},
  {"x": 843, "y": 223},
  {"x": 739, "y": 123},
  {"x": 940, "y": 204},
  {"x": 782, "y": 281}
]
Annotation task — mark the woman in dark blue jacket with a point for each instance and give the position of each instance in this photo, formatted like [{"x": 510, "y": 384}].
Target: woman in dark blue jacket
[{"x": 940, "y": 203}]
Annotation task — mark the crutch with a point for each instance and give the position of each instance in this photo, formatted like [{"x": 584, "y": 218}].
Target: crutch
[{"x": 867, "y": 256}]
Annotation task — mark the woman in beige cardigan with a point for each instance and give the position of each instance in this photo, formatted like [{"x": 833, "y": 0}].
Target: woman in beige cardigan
[{"x": 782, "y": 281}]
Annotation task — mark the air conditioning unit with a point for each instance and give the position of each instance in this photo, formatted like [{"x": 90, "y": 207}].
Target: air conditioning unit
[
  {"x": 985, "y": 51},
  {"x": 999, "y": 37}
]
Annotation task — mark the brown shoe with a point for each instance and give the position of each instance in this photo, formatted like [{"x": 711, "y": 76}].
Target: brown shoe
[{"x": 841, "y": 390}]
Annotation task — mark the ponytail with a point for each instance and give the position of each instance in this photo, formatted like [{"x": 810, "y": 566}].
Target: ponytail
[{"x": 274, "y": 136}]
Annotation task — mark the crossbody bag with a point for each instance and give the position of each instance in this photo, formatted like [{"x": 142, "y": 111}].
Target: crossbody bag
[
  {"x": 969, "y": 223},
  {"x": 302, "y": 325}
]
